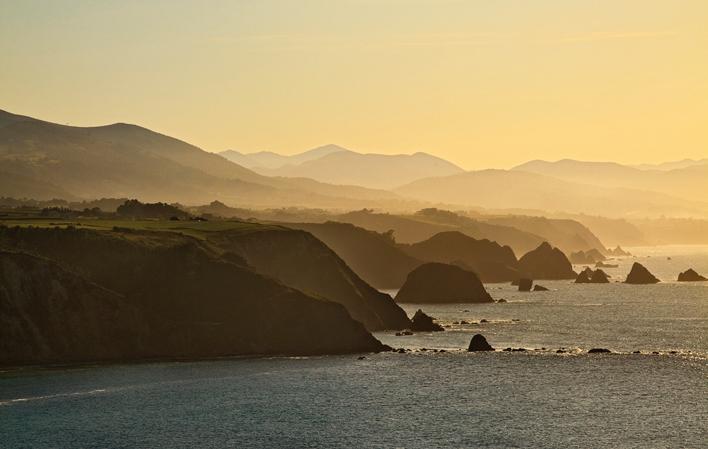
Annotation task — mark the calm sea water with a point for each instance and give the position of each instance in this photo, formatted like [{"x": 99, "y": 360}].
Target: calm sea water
[{"x": 419, "y": 399}]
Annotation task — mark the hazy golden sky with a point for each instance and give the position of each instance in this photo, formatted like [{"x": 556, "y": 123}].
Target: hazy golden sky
[{"x": 482, "y": 83}]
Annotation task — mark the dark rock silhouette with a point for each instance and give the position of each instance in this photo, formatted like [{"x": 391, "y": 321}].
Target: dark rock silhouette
[
  {"x": 374, "y": 256},
  {"x": 599, "y": 351},
  {"x": 442, "y": 283},
  {"x": 640, "y": 275},
  {"x": 587, "y": 257},
  {"x": 525, "y": 285},
  {"x": 479, "y": 343},
  {"x": 690, "y": 275},
  {"x": 618, "y": 251},
  {"x": 424, "y": 323},
  {"x": 539, "y": 288},
  {"x": 588, "y": 276},
  {"x": 489, "y": 260},
  {"x": 97, "y": 292},
  {"x": 299, "y": 260},
  {"x": 546, "y": 262}
]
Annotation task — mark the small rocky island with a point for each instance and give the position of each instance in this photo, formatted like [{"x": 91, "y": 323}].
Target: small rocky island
[
  {"x": 588, "y": 257},
  {"x": 479, "y": 343},
  {"x": 422, "y": 322},
  {"x": 589, "y": 276},
  {"x": 546, "y": 262},
  {"x": 442, "y": 283},
  {"x": 640, "y": 275},
  {"x": 690, "y": 275}
]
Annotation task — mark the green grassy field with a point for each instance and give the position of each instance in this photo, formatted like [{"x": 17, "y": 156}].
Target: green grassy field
[{"x": 197, "y": 229}]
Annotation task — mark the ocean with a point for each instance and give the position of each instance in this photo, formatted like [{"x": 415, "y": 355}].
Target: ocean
[{"x": 440, "y": 397}]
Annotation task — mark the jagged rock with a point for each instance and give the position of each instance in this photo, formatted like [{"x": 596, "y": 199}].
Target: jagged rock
[
  {"x": 690, "y": 275},
  {"x": 587, "y": 257},
  {"x": 442, "y": 283},
  {"x": 640, "y": 275},
  {"x": 546, "y": 262},
  {"x": 599, "y": 351},
  {"x": 539, "y": 288},
  {"x": 588, "y": 276},
  {"x": 618, "y": 252},
  {"x": 479, "y": 343},
  {"x": 525, "y": 285},
  {"x": 424, "y": 323}
]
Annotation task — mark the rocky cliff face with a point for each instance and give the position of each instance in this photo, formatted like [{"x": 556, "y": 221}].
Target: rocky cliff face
[
  {"x": 195, "y": 302},
  {"x": 48, "y": 314},
  {"x": 442, "y": 283},
  {"x": 373, "y": 256},
  {"x": 299, "y": 260},
  {"x": 546, "y": 262}
]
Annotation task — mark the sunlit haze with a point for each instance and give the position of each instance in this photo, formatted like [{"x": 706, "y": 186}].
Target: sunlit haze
[{"x": 483, "y": 84}]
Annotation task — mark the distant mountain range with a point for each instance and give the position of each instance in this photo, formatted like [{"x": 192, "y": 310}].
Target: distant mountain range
[
  {"x": 44, "y": 160},
  {"x": 525, "y": 189},
  {"x": 336, "y": 165},
  {"x": 689, "y": 180},
  {"x": 263, "y": 160}
]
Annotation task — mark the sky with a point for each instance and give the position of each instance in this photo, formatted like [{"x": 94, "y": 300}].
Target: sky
[{"x": 481, "y": 83}]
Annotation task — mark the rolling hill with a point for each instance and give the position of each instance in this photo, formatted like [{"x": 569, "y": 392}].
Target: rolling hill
[
  {"x": 525, "y": 190},
  {"x": 45, "y": 160},
  {"x": 685, "y": 179}
]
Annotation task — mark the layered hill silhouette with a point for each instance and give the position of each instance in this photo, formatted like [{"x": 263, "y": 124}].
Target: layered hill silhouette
[
  {"x": 374, "y": 256},
  {"x": 264, "y": 160},
  {"x": 378, "y": 171},
  {"x": 509, "y": 189},
  {"x": 45, "y": 160},
  {"x": 685, "y": 180},
  {"x": 518, "y": 232}
]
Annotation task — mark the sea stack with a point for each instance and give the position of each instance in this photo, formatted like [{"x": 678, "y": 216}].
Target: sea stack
[
  {"x": 479, "y": 343},
  {"x": 422, "y": 322},
  {"x": 640, "y": 275},
  {"x": 546, "y": 262},
  {"x": 525, "y": 285},
  {"x": 442, "y": 283},
  {"x": 588, "y": 276},
  {"x": 690, "y": 275}
]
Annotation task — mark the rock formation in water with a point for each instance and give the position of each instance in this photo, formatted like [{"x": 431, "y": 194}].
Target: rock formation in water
[
  {"x": 479, "y": 343},
  {"x": 171, "y": 292},
  {"x": 546, "y": 262},
  {"x": 640, "y": 275},
  {"x": 599, "y": 351},
  {"x": 491, "y": 261},
  {"x": 539, "y": 288},
  {"x": 424, "y": 323},
  {"x": 524, "y": 284},
  {"x": 690, "y": 275},
  {"x": 442, "y": 283},
  {"x": 589, "y": 276},
  {"x": 588, "y": 257},
  {"x": 618, "y": 251}
]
